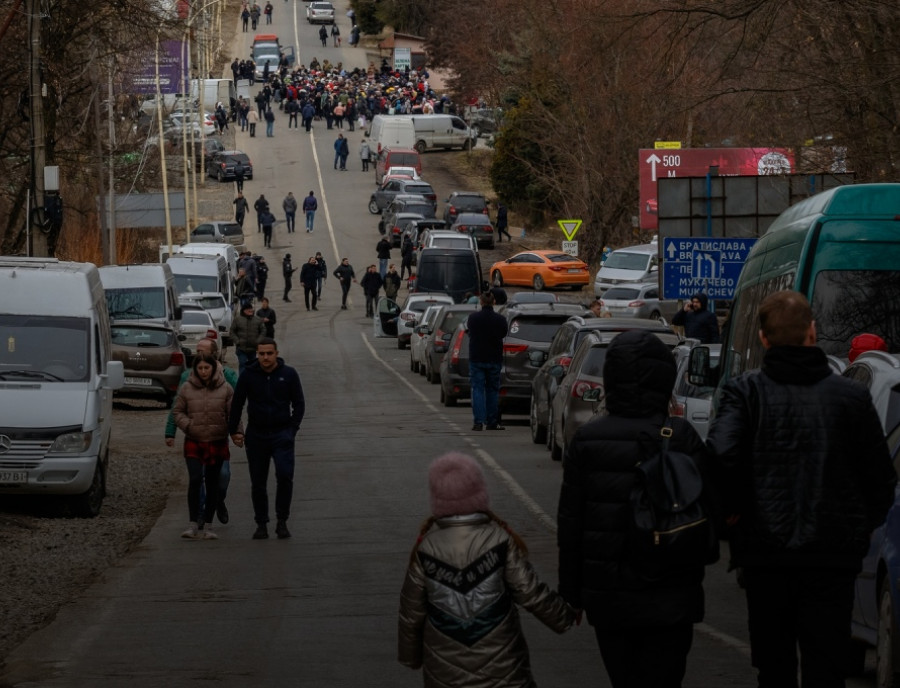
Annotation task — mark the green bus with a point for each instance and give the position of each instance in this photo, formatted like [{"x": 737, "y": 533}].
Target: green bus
[{"x": 841, "y": 248}]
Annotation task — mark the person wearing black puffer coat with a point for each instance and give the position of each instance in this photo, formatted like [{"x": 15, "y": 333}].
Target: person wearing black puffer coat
[
  {"x": 697, "y": 321},
  {"x": 644, "y": 630},
  {"x": 802, "y": 465}
]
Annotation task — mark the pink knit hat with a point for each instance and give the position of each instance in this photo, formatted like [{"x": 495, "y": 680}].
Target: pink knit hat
[{"x": 457, "y": 486}]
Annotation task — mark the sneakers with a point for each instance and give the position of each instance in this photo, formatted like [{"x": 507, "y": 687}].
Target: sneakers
[
  {"x": 191, "y": 532},
  {"x": 222, "y": 513},
  {"x": 477, "y": 427},
  {"x": 207, "y": 535},
  {"x": 262, "y": 533},
  {"x": 496, "y": 426},
  {"x": 281, "y": 530}
]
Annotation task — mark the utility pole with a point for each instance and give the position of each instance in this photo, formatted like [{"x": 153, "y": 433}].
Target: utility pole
[{"x": 39, "y": 243}]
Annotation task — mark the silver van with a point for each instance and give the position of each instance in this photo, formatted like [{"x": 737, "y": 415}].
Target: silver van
[
  {"x": 441, "y": 131},
  {"x": 632, "y": 265},
  {"x": 201, "y": 273},
  {"x": 56, "y": 382},
  {"x": 141, "y": 293}
]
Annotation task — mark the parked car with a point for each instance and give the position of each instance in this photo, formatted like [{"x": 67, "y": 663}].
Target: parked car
[
  {"x": 220, "y": 310},
  {"x": 453, "y": 271},
  {"x": 531, "y": 329},
  {"x": 387, "y": 157},
  {"x": 221, "y": 165},
  {"x": 454, "y": 369},
  {"x": 218, "y": 232},
  {"x": 197, "y": 324},
  {"x": 320, "y": 13},
  {"x": 692, "y": 402},
  {"x": 403, "y": 170},
  {"x": 204, "y": 148},
  {"x": 570, "y": 409},
  {"x": 392, "y": 187},
  {"x": 449, "y": 317},
  {"x": 397, "y": 224},
  {"x": 531, "y": 297},
  {"x": 411, "y": 312},
  {"x": 556, "y": 360},
  {"x": 464, "y": 202},
  {"x": 193, "y": 121},
  {"x": 152, "y": 357},
  {"x": 422, "y": 333},
  {"x": 631, "y": 265},
  {"x": 484, "y": 120},
  {"x": 639, "y": 301},
  {"x": 540, "y": 269},
  {"x": 876, "y": 610},
  {"x": 438, "y": 237},
  {"x": 477, "y": 225}
]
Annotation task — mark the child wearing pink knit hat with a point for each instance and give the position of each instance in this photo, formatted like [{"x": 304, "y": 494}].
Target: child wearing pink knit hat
[{"x": 459, "y": 619}]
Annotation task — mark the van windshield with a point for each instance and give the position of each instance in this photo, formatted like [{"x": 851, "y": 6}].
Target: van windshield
[
  {"x": 44, "y": 348},
  {"x": 621, "y": 260},
  {"x": 188, "y": 283},
  {"x": 144, "y": 303},
  {"x": 850, "y": 302},
  {"x": 451, "y": 275}
]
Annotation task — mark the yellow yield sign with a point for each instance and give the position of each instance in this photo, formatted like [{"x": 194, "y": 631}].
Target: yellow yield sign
[{"x": 569, "y": 227}]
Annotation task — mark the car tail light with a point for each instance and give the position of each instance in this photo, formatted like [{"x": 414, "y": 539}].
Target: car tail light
[
  {"x": 212, "y": 334},
  {"x": 438, "y": 344},
  {"x": 452, "y": 211},
  {"x": 176, "y": 359},
  {"x": 514, "y": 348},
  {"x": 565, "y": 361},
  {"x": 636, "y": 304},
  {"x": 484, "y": 210},
  {"x": 582, "y": 386},
  {"x": 462, "y": 229},
  {"x": 557, "y": 268},
  {"x": 407, "y": 316},
  {"x": 395, "y": 230},
  {"x": 676, "y": 409},
  {"x": 454, "y": 351}
]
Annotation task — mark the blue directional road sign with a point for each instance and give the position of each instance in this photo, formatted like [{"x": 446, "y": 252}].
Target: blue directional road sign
[{"x": 710, "y": 265}]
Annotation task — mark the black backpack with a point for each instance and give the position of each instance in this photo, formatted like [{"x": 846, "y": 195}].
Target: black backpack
[{"x": 672, "y": 530}]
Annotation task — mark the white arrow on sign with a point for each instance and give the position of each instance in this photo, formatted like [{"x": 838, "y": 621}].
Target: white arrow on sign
[
  {"x": 671, "y": 251},
  {"x": 653, "y": 160}
]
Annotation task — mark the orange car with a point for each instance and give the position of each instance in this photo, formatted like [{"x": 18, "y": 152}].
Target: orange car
[{"x": 539, "y": 269}]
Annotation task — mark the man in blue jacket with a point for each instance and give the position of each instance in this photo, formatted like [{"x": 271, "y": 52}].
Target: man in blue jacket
[
  {"x": 275, "y": 408},
  {"x": 486, "y": 332}
]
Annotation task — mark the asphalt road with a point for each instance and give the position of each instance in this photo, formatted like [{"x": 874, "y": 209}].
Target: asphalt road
[{"x": 320, "y": 609}]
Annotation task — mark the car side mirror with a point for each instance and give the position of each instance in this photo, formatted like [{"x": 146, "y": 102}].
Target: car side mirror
[
  {"x": 222, "y": 328},
  {"x": 594, "y": 395},
  {"x": 700, "y": 371}
]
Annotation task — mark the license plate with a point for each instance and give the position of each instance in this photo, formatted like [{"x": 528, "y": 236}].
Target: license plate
[
  {"x": 139, "y": 381},
  {"x": 13, "y": 477},
  {"x": 574, "y": 269}
]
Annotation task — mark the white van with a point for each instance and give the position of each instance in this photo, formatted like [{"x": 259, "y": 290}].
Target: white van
[
  {"x": 228, "y": 251},
  {"x": 390, "y": 131},
  {"x": 441, "y": 131},
  {"x": 201, "y": 273},
  {"x": 632, "y": 265},
  {"x": 144, "y": 293},
  {"x": 56, "y": 382},
  {"x": 214, "y": 91}
]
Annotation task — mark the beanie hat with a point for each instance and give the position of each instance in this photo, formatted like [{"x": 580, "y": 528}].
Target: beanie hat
[
  {"x": 866, "y": 342},
  {"x": 457, "y": 487}
]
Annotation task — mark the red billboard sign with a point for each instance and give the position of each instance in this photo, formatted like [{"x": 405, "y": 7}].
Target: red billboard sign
[{"x": 696, "y": 162}]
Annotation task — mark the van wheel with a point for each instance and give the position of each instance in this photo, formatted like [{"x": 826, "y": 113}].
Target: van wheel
[
  {"x": 654, "y": 315},
  {"x": 420, "y": 146},
  {"x": 497, "y": 278},
  {"x": 476, "y": 130},
  {"x": 467, "y": 145},
  {"x": 413, "y": 366},
  {"x": 538, "y": 431},
  {"x": 220, "y": 177},
  {"x": 537, "y": 282},
  {"x": 87, "y": 504},
  {"x": 373, "y": 207}
]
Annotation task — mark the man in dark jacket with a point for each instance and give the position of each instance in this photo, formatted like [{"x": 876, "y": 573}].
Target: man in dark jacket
[
  {"x": 644, "y": 629},
  {"x": 803, "y": 467},
  {"x": 309, "y": 277},
  {"x": 345, "y": 275},
  {"x": 261, "y": 205},
  {"x": 288, "y": 270},
  {"x": 371, "y": 283},
  {"x": 486, "y": 332},
  {"x": 698, "y": 323},
  {"x": 383, "y": 250},
  {"x": 268, "y": 221},
  {"x": 275, "y": 408}
]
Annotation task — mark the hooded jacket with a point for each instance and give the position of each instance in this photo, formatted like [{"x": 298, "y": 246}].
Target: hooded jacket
[
  {"x": 598, "y": 477},
  {"x": 201, "y": 411},
  {"x": 246, "y": 331},
  {"x": 702, "y": 324},
  {"x": 800, "y": 456},
  {"x": 458, "y": 615}
]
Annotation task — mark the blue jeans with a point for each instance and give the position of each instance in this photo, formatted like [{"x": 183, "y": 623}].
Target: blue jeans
[
  {"x": 485, "y": 381},
  {"x": 310, "y": 216},
  {"x": 270, "y": 127},
  {"x": 279, "y": 447},
  {"x": 244, "y": 359},
  {"x": 383, "y": 266},
  {"x": 290, "y": 219}
]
